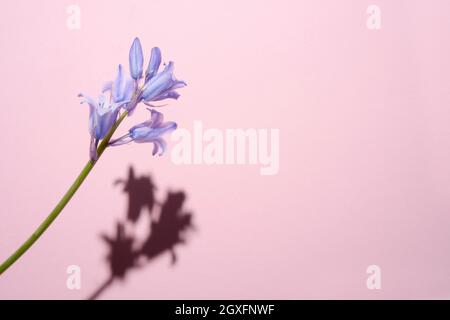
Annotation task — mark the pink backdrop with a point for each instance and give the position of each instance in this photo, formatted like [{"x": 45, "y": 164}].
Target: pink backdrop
[{"x": 364, "y": 147}]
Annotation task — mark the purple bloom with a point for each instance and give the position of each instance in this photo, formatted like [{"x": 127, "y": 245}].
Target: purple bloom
[
  {"x": 162, "y": 85},
  {"x": 102, "y": 115},
  {"x": 151, "y": 130},
  {"x": 122, "y": 89},
  {"x": 156, "y": 86},
  {"x": 127, "y": 91}
]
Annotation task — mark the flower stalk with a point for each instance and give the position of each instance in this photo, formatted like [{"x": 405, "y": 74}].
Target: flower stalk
[
  {"x": 105, "y": 116},
  {"x": 64, "y": 200}
]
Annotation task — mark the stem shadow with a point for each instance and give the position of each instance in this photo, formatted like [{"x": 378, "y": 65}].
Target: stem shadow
[{"x": 126, "y": 251}]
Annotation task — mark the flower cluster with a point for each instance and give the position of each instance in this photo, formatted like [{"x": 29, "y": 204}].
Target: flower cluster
[{"x": 125, "y": 93}]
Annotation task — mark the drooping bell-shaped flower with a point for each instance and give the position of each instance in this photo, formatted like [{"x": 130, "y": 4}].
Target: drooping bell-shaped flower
[
  {"x": 128, "y": 91},
  {"x": 102, "y": 115},
  {"x": 156, "y": 86},
  {"x": 162, "y": 85},
  {"x": 151, "y": 131},
  {"x": 122, "y": 88}
]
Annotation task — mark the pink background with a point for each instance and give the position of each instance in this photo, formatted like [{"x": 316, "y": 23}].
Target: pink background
[{"x": 364, "y": 147}]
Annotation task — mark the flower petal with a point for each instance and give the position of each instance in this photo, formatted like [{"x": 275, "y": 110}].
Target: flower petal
[
  {"x": 117, "y": 105},
  {"x": 88, "y": 100},
  {"x": 159, "y": 145},
  {"x": 167, "y": 95},
  {"x": 156, "y": 118},
  {"x": 141, "y": 135},
  {"x": 92, "y": 112},
  {"x": 160, "y": 83},
  {"x": 120, "y": 141},
  {"x": 107, "y": 86},
  {"x": 130, "y": 86},
  {"x": 136, "y": 58},
  {"x": 118, "y": 86},
  {"x": 105, "y": 123},
  {"x": 153, "y": 65}
]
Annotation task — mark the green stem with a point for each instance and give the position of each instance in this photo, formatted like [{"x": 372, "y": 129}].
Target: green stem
[{"x": 64, "y": 200}]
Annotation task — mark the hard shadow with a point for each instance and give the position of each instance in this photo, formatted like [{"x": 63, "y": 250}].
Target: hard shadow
[{"x": 169, "y": 223}]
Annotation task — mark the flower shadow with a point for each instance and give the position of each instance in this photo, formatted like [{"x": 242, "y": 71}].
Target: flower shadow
[{"x": 127, "y": 251}]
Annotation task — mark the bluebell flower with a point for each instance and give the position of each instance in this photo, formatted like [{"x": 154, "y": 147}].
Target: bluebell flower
[
  {"x": 102, "y": 116},
  {"x": 162, "y": 85},
  {"x": 122, "y": 88},
  {"x": 156, "y": 86},
  {"x": 151, "y": 131},
  {"x": 127, "y": 91},
  {"x": 104, "y": 119}
]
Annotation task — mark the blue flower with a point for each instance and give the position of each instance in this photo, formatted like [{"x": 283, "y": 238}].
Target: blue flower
[
  {"x": 127, "y": 91},
  {"x": 151, "y": 131},
  {"x": 162, "y": 85},
  {"x": 102, "y": 116},
  {"x": 122, "y": 88},
  {"x": 156, "y": 86}
]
